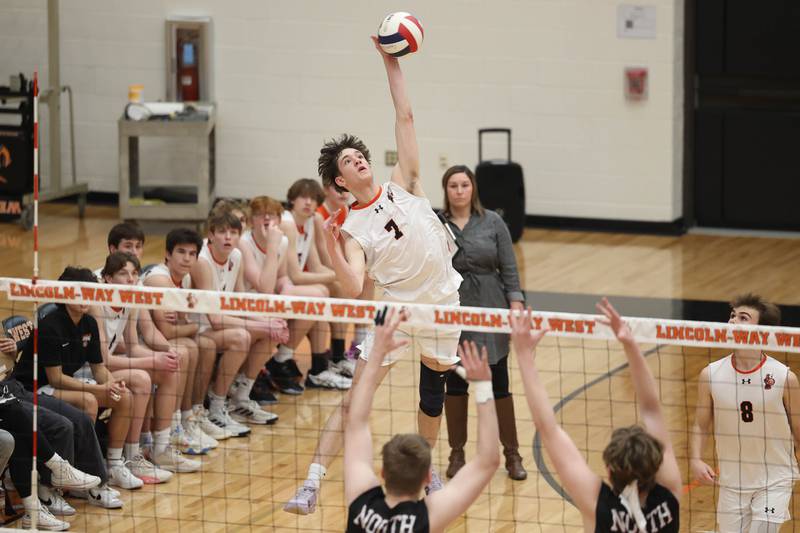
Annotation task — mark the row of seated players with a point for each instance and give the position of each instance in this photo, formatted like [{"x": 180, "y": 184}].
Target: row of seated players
[{"x": 172, "y": 385}]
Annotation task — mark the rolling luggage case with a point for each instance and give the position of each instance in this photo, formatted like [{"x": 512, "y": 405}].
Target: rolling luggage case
[{"x": 501, "y": 187}]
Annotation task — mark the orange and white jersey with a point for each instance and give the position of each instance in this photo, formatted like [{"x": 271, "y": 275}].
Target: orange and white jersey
[
  {"x": 326, "y": 214},
  {"x": 754, "y": 441},
  {"x": 224, "y": 274},
  {"x": 305, "y": 237},
  {"x": 407, "y": 251},
  {"x": 260, "y": 253}
]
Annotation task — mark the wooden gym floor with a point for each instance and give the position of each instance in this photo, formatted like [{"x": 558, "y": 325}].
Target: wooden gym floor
[{"x": 244, "y": 484}]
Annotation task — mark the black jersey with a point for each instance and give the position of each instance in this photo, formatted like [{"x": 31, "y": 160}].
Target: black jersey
[
  {"x": 660, "y": 510},
  {"x": 369, "y": 514}
]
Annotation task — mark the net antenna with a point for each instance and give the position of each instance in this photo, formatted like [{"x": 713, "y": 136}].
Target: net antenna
[{"x": 34, "y": 278}]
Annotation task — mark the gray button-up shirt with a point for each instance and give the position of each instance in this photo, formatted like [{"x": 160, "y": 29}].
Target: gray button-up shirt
[{"x": 486, "y": 261}]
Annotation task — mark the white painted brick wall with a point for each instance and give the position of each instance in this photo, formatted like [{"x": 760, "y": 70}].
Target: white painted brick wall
[{"x": 289, "y": 73}]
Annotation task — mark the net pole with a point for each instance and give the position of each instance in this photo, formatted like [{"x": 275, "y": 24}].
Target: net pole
[{"x": 34, "y": 472}]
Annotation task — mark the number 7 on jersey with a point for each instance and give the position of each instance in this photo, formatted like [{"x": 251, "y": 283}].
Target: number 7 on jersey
[{"x": 392, "y": 226}]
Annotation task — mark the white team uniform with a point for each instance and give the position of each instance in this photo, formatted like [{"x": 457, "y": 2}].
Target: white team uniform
[
  {"x": 224, "y": 274},
  {"x": 409, "y": 256},
  {"x": 755, "y": 447},
  {"x": 305, "y": 237},
  {"x": 162, "y": 270},
  {"x": 223, "y": 278},
  {"x": 261, "y": 254}
]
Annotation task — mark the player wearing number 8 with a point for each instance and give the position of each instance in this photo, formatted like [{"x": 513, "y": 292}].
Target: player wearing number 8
[{"x": 753, "y": 403}]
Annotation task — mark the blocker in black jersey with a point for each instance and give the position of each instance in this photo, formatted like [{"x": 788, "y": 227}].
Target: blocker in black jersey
[
  {"x": 369, "y": 514},
  {"x": 660, "y": 510}
]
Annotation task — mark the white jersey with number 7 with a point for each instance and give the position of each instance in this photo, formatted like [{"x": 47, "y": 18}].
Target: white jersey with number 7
[{"x": 407, "y": 252}]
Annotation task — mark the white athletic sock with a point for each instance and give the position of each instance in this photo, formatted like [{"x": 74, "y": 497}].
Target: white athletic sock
[
  {"x": 198, "y": 409},
  {"x": 130, "y": 450},
  {"x": 31, "y": 503},
  {"x": 216, "y": 404},
  {"x": 160, "y": 441},
  {"x": 242, "y": 392},
  {"x": 145, "y": 439},
  {"x": 54, "y": 462},
  {"x": 283, "y": 354},
  {"x": 316, "y": 472},
  {"x": 186, "y": 416},
  {"x": 360, "y": 334},
  {"x": 176, "y": 419},
  {"x": 114, "y": 457}
]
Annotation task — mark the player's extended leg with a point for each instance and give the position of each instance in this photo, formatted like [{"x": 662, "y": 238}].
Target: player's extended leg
[
  {"x": 283, "y": 367},
  {"x": 243, "y": 409},
  {"x": 189, "y": 436},
  {"x": 322, "y": 374},
  {"x": 331, "y": 441},
  {"x": 235, "y": 343}
]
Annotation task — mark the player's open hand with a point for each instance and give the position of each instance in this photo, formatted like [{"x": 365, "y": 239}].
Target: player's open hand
[
  {"x": 386, "y": 322},
  {"x": 474, "y": 362},
  {"x": 380, "y": 50},
  {"x": 614, "y": 321},
  {"x": 524, "y": 338},
  {"x": 331, "y": 232}
]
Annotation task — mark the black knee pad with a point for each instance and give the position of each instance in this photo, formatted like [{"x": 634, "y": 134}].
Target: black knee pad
[{"x": 431, "y": 391}]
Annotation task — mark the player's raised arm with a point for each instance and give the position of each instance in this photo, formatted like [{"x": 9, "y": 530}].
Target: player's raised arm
[
  {"x": 404, "y": 132},
  {"x": 358, "y": 473},
  {"x": 646, "y": 389},
  {"x": 579, "y": 481}
]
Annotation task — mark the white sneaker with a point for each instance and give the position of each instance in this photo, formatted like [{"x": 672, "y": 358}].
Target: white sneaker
[
  {"x": 68, "y": 477},
  {"x": 435, "y": 484},
  {"x": 54, "y": 501},
  {"x": 304, "y": 501},
  {"x": 250, "y": 412},
  {"x": 224, "y": 420},
  {"x": 147, "y": 471},
  {"x": 211, "y": 429},
  {"x": 184, "y": 442},
  {"x": 328, "y": 380},
  {"x": 45, "y": 521},
  {"x": 195, "y": 434},
  {"x": 105, "y": 497},
  {"x": 173, "y": 460},
  {"x": 120, "y": 476},
  {"x": 346, "y": 367}
]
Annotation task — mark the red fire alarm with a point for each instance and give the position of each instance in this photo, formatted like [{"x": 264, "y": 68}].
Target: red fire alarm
[{"x": 636, "y": 83}]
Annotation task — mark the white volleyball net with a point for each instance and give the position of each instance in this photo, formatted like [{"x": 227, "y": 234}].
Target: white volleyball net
[{"x": 245, "y": 483}]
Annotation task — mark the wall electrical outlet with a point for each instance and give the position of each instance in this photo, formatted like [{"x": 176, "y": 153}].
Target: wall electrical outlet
[
  {"x": 443, "y": 162},
  {"x": 390, "y": 157}
]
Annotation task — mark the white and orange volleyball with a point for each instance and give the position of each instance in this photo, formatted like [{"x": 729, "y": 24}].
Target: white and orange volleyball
[{"x": 400, "y": 33}]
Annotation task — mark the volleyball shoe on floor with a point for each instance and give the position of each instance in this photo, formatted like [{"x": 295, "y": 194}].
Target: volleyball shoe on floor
[
  {"x": 304, "y": 501},
  {"x": 54, "y": 501},
  {"x": 147, "y": 471},
  {"x": 249, "y": 412},
  {"x": 328, "y": 380},
  {"x": 45, "y": 521}
]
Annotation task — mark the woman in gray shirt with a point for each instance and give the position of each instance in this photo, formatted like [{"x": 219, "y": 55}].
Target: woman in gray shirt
[{"x": 486, "y": 261}]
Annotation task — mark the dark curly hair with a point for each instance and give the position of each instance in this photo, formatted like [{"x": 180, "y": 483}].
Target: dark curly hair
[{"x": 328, "y": 163}]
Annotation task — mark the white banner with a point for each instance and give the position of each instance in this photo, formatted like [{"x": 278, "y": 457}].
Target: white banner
[{"x": 421, "y": 316}]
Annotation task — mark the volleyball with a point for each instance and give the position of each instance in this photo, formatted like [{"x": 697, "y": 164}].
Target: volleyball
[{"x": 400, "y": 33}]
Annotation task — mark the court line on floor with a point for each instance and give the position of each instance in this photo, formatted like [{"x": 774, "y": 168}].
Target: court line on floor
[{"x": 538, "y": 454}]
